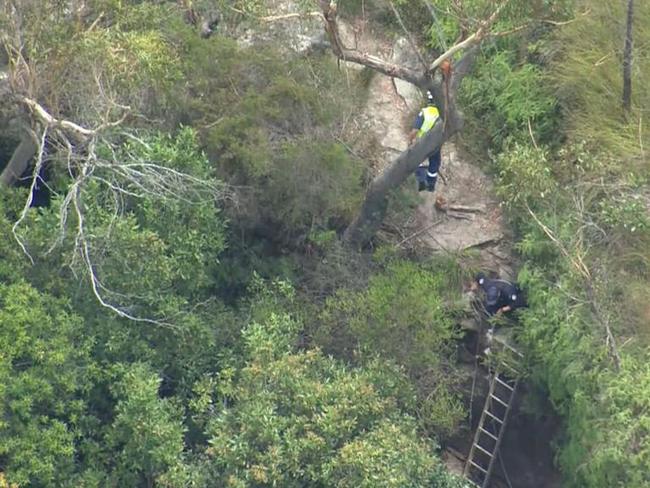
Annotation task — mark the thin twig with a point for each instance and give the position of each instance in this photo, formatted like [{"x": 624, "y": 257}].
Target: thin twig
[
  {"x": 417, "y": 233},
  {"x": 30, "y": 196},
  {"x": 532, "y": 137},
  {"x": 412, "y": 42},
  {"x": 566, "y": 22},
  {"x": 441, "y": 38}
]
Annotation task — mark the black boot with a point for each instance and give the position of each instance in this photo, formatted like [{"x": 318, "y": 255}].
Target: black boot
[
  {"x": 431, "y": 184},
  {"x": 421, "y": 185}
]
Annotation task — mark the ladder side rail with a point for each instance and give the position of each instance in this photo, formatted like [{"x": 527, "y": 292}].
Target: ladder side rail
[
  {"x": 470, "y": 456},
  {"x": 501, "y": 433}
]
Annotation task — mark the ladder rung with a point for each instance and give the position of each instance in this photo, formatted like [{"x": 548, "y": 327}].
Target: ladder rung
[
  {"x": 508, "y": 346},
  {"x": 472, "y": 463},
  {"x": 511, "y": 368},
  {"x": 494, "y": 416},
  {"x": 499, "y": 400},
  {"x": 483, "y": 450},
  {"x": 489, "y": 433},
  {"x": 504, "y": 383}
]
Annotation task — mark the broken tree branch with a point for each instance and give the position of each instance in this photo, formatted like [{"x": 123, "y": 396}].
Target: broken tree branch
[
  {"x": 50, "y": 121},
  {"x": 329, "y": 11},
  {"x": 466, "y": 208},
  {"x": 482, "y": 32},
  {"x": 418, "y": 232},
  {"x": 579, "y": 265},
  {"x": 30, "y": 197}
]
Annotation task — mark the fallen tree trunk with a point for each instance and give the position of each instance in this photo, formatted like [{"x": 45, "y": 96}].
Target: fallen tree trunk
[{"x": 375, "y": 205}]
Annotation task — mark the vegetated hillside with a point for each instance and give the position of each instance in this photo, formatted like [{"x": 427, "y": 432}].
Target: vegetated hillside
[
  {"x": 572, "y": 170},
  {"x": 183, "y": 312}
]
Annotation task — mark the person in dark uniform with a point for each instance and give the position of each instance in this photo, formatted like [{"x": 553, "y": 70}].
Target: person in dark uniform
[
  {"x": 501, "y": 296},
  {"x": 426, "y": 176}
]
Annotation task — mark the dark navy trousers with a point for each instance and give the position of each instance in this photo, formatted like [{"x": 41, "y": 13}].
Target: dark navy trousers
[{"x": 429, "y": 175}]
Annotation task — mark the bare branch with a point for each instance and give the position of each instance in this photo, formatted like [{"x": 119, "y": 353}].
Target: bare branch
[
  {"x": 274, "y": 18},
  {"x": 80, "y": 132},
  {"x": 441, "y": 38},
  {"x": 83, "y": 247},
  {"x": 50, "y": 121},
  {"x": 418, "y": 232},
  {"x": 346, "y": 54},
  {"x": 476, "y": 38},
  {"x": 30, "y": 197},
  {"x": 579, "y": 265},
  {"x": 123, "y": 173},
  {"x": 566, "y": 22}
]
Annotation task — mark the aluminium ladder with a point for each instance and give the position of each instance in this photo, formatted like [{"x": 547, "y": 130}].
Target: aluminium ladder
[{"x": 492, "y": 424}]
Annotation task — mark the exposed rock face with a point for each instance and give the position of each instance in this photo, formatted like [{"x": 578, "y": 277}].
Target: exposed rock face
[
  {"x": 403, "y": 54},
  {"x": 295, "y": 33}
]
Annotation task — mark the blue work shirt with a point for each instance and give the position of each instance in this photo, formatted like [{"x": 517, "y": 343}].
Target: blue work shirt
[
  {"x": 419, "y": 120},
  {"x": 501, "y": 293}
]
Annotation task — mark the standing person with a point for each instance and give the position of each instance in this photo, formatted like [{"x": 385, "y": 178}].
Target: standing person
[
  {"x": 424, "y": 122},
  {"x": 501, "y": 296}
]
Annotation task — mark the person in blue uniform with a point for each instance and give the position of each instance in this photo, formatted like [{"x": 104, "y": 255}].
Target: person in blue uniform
[
  {"x": 501, "y": 296},
  {"x": 424, "y": 122}
]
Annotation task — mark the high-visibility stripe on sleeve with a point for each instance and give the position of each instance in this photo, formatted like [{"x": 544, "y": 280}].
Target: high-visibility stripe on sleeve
[{"x": 432, "y": 175}]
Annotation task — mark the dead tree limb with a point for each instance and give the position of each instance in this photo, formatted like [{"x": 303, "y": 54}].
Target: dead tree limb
[
  {"x": 344, "y": 53},
  {"x": 78, "y": 146},
  {"x": 475, "y": 39},
  {"x": 418, "y": 232}
]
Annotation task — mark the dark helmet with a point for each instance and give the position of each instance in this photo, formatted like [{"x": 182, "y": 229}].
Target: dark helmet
[
  {"x": 480, "y": 278},
  {"x": 430, "y": 97}
]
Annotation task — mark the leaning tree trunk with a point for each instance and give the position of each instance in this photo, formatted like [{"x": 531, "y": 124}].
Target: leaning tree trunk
[
  {"x": 367, "y": 222},
  {"x": 627, "y": 60}
]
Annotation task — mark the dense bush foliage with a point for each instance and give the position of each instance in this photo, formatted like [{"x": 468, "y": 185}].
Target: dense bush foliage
[
  {"x": 573, "y": 181},
  {"x": 146, "y": 340}
]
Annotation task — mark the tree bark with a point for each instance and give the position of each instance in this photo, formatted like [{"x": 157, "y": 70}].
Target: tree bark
[
  {"x": 373, "y": 62},
  {"x": 19, "y": 161},
  {"x": 627, "y": 60}
]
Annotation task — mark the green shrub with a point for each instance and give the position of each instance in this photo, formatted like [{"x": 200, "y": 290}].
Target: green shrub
[{"x": 503, "y": 98}]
